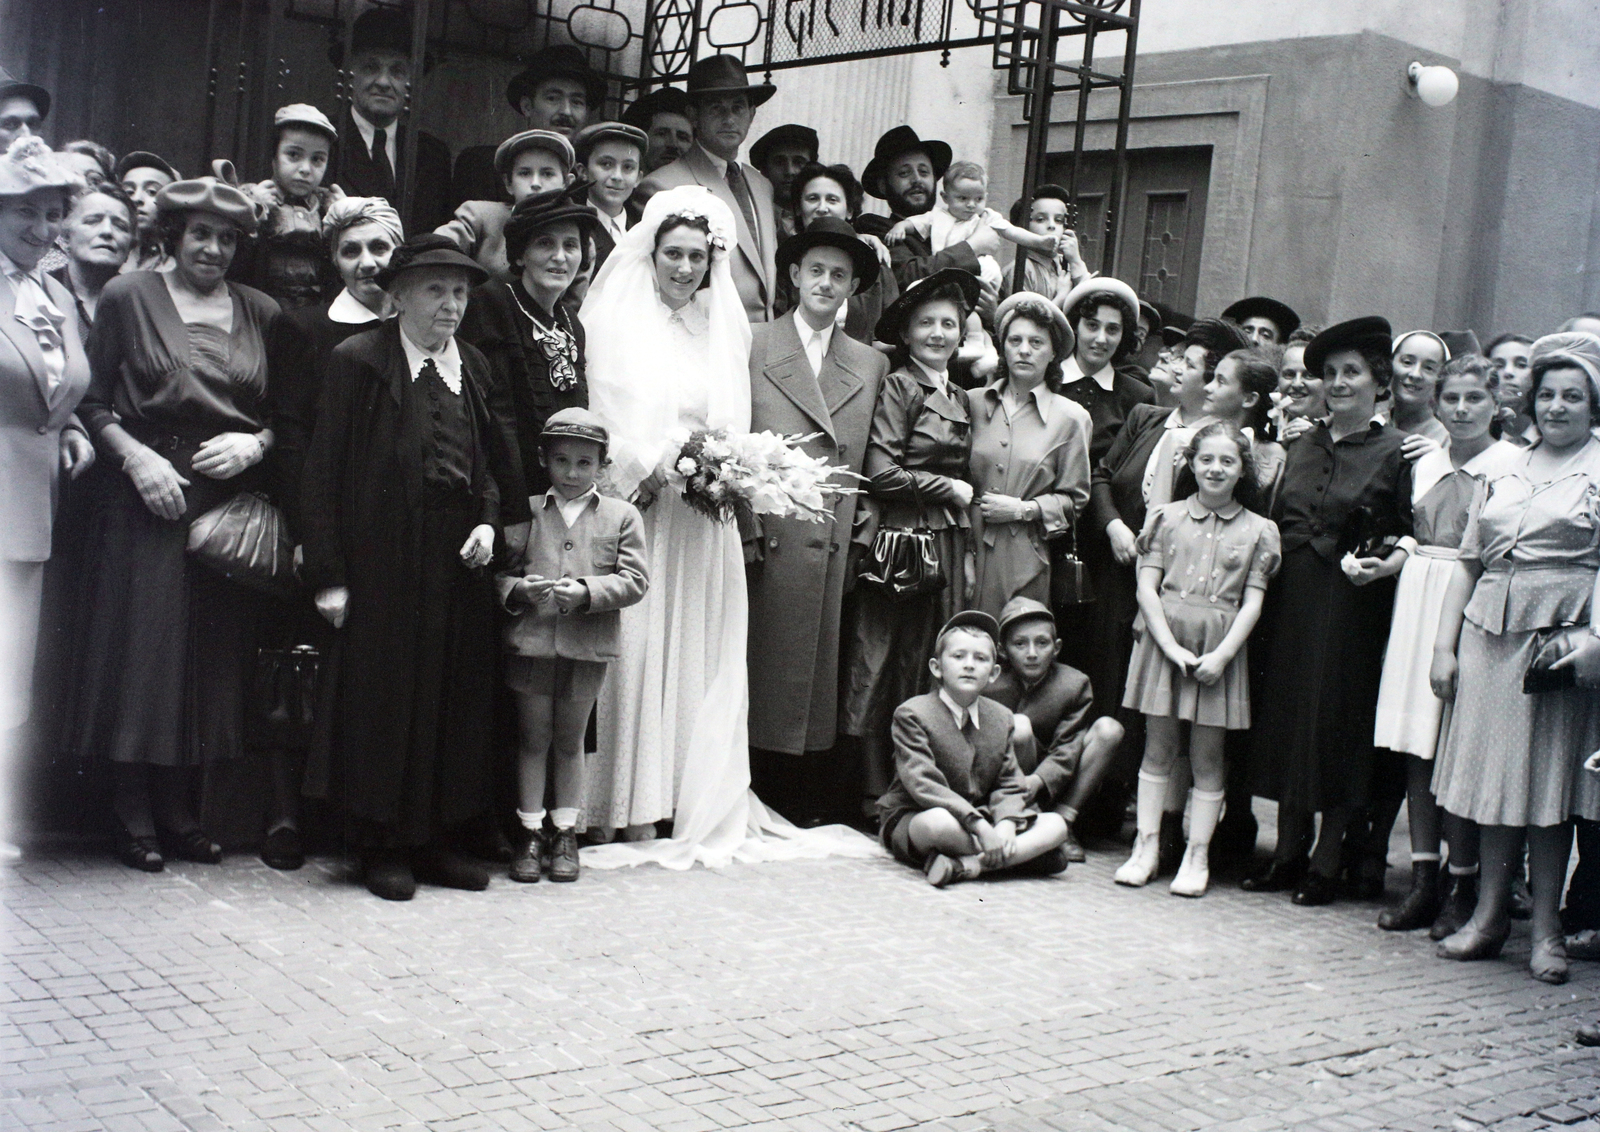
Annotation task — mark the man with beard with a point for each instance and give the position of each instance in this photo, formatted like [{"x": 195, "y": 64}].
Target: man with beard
[
  {"x": 369, "y": 159},
  {"x": 663, "y": 115},
  {"x": 780, "y": 154},
  {"x": 142, "y": 175},
  {"x": 723, "y": 104},
  {"x": 903, "y": 171}
]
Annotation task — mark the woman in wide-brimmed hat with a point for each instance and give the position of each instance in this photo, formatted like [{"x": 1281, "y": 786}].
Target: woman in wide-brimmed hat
[
  {"x": 917, "y": 480},
  {"x": 180, "y": 407},
  {"x": 401, "y": 507}
]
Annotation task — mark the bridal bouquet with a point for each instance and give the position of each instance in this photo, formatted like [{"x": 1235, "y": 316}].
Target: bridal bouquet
[{"x": 718, "y": 472}]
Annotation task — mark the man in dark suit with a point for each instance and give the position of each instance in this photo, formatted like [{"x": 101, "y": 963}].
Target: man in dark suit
[
  {"x": 370, "y": 157},
  {"x": 807, "y": 377},
  {"x": 904, "y": 171},
  {"x": 723, "y": 103}
]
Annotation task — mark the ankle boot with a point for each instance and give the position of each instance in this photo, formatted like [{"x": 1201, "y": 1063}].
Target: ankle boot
[
  {"x": 1194, "y": 874},
  {"x": 1141, "y": 866},
  {"x": 1456, "y": 907},
  {"x": 1421, "y": 906}
]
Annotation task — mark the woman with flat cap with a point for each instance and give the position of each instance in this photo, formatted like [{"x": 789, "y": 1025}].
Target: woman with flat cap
[
  {"x": 180, "y": 408},
  {"x": 917, "y": 480},
  {"x": 1030, "y": 455},
  {"x": 401, "y": 513},
  {"x": 532, "y": 339},
  {"x": 1344, "y": 512}
]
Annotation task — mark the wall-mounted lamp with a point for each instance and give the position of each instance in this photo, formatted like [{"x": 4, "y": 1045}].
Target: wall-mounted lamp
[{"x": 1436, "y": 86}]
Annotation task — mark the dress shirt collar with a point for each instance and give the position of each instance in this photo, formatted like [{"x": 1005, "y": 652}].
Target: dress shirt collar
[
  {"x": 815, "y": 343},
  {"x": 1199, "y": 511},
  {"x": 1071, "y": 371},
  {"x": 717, "y": 163},
  {"x": 570, "y": 508},
  {"x": 447, "y": 359},
  {"x": 1040, "y": 395},
  {"x": 617, "y": 225},
  {"x": 13, "y": 271},
  {"x": 349, "y": 310},
  {"x": 940, "y": 380},
  {"x": 368, "y": 130},
  {"x": 962, "y": 714}
]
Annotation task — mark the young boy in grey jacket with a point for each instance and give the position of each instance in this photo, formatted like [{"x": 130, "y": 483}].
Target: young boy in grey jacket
[{"x": 584, "y": 561}]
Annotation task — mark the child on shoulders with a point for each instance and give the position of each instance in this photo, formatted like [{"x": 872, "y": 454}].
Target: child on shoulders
[
  {"x": 583, "y": 562},
  {"x": 958, "y": 806},
  {"x": 1063, "y": 753},
  {"x": 1204, "y": 565}
]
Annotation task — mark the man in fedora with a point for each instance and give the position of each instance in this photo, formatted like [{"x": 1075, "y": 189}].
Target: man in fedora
[
  {"x": 663, "y": 115},
  {"x": 809, "y": 378},
  {"x": 370, "y": 159},
  {"x": 905, "y": 171},
  {"x": 722, "y": 104},
  {"x": 23, "y": 109},
  {"x": 780, "y": 154},
  {"x": 557, "y": 90}
]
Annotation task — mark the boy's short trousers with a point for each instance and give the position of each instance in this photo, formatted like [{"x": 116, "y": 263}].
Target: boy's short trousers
[
  {"x": 558, "y": 677},
  {"x": 895, "y": 833}
]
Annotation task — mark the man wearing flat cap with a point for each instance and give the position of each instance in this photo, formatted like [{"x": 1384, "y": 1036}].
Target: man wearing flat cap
[
  {"x": 904, "y": 171},
  {"x": 780, "y": 154},
  {"x": 527, "y": 163},
  {"x": 723, "y": 102},
  {"x": 371, "y": 159},
  {"x": 609, "y": 153},
  {"x": 663, "y": 115},
  {"x": 142, "y": 175},
  {"x": 807, "y": 378},
  {"x": 23, "y": 109}
]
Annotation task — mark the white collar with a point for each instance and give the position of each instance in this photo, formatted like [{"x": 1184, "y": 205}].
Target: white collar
[
  {"x": 942, "y": 380},
  {"x": 11, "y": 270},
  {"x": 349, "y": 310},
  {"x": 368, "y": 128},
  {"x": 570, "y": 508},
  {"x": 962, "y": 714},
  {"x": 806, "y": 333},
  {"x": 448, "y": 359},
  {"x": 1103, "y": 377}
]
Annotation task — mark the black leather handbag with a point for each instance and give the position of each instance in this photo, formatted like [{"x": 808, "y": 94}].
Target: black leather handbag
[
  {"x": 1069, "y": 577},
  {"x": 247, "y": 540},
  {"x": 904, "y": 563}
]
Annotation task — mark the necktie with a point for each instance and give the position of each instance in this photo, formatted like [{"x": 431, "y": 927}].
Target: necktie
[
  {"x": 380, "y": 159},
  {"x": 741, "y": 193},
  {"x": 969, "y": 730}
]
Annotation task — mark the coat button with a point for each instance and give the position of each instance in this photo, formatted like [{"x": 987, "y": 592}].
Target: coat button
[
  {"x": 843, "y": 448},
  {"x": 566, "y": 546},
  {"x": 43, "y": 429},
  {"x": 773, "y": 542}
]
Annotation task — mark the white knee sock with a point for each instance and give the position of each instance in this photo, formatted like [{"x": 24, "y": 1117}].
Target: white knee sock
[
  {"x": 564, "y": 817},
  {"x": 533, "y": 821},
  {"x": 1152, "y": 800},
  {"x": 1205, "y": 807}
]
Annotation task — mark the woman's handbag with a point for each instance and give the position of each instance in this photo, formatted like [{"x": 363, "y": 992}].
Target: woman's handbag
[
  {"x": 1069, "y": 577},
  {"x": 246, "y": 540},
  {"x": 904, "y": 563}
]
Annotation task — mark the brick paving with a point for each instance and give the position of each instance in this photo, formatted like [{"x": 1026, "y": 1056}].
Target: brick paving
[{"x": 809, "y": 996}]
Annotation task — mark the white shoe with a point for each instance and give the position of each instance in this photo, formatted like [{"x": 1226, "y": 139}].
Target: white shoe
[
  {"x": 1140, "y": 867},
  {"x": 1195, "y": 872}
]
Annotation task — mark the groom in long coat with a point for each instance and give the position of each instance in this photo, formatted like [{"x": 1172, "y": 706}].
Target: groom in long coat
[{"x": 807, "y": 377}]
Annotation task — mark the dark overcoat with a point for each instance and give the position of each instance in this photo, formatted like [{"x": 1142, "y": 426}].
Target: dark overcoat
[
  {"x": 798, "y": 589},
  {"x": 406, "y": 745}
]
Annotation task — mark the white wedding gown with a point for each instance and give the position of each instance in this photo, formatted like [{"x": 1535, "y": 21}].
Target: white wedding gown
[{"x": 672, "y": 715}]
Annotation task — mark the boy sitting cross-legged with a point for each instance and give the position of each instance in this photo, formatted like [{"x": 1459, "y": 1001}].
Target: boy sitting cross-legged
[
  {"x": 1062, "y": 752},
  {"x": 958, "y": 805}
]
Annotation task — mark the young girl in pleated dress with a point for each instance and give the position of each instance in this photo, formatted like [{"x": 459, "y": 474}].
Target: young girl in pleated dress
[{"x": 1204, "y": 565}]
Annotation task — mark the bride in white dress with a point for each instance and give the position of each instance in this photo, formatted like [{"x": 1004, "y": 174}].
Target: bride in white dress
[{"x": 668, "y": 351}]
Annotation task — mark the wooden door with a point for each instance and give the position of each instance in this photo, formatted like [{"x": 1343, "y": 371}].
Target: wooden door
[{"x": 1162, "y": 218}]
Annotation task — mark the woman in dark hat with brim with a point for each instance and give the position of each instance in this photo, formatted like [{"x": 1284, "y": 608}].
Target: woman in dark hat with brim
[
  {"x": 1344, "y": 512},
  {"x": 531, "y": 338},
  {"x": 916, "y": 468},
  {"x": 402, "y": 509},
  {"x": 180, "y": 408},
  {"x": 1266, "y": 322}
]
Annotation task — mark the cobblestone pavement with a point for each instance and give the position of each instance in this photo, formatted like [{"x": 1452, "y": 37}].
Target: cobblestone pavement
[{"x": 805, "y": 996}]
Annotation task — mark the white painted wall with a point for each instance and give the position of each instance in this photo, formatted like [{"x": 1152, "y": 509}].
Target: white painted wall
[{"x": 1552, "y": 45}]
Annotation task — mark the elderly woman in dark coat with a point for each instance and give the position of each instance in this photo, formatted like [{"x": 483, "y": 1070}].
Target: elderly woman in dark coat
[
  {"x": 180, "y": 404},
  {"x": 916, "y": 470},
  {"x": 531, "y": 338},
  {"x": 1030, "y": 455},
  {"x": 1344, "y": 510},
  {"x": 401, "y": 512}
]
